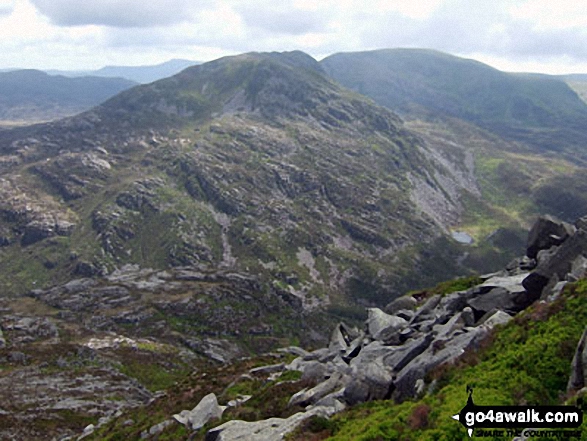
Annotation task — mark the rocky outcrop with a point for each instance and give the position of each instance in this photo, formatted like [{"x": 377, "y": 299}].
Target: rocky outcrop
[
  {"x": 206, "y": 410},
  {"x": 561, "y": 252}
]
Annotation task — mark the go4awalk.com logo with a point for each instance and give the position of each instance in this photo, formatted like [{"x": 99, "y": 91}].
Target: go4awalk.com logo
[{"x": 544, "y": 421}]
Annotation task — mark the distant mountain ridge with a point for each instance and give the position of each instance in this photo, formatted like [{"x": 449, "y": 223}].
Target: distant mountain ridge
[
  {"x": 538, "y": 109},
  {"x": 138, "y": 74},
  {"x": 33, "y": 95}
]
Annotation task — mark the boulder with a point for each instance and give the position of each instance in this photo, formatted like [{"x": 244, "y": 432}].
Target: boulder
[
  {"x": 559, "y": 263},
  {"x": 493, "y": 318},
  {"x": 206, "y": 410},
  {"x": 468, "y": 316},
  {"x": 578, "y": 269},
  {"x": 402, "y": 356},
  {"x": 372, "y": 381},
  {"x": 342, "y": 336},
  {"x": 404, "y": 302},
  {"x": 306, "y": 397},
  {"x": 439, "y": 352},
  {"x": 294, "y": 350},
  {"x": 547, "y": 232},
  {"x": 426, "y": 311},
  {"x": 156, "y": 429},
  {"x": 444, "y": 332},
  {"x": 382, "y": 325},
  {"x": 272, "y": 429},
  {"x": 314, "y": 371},
  {"x": 371, "y": 352},
  {"x": 353, "y": 349},
  {"x": 497, "y": 298},
  {"x": 270, "y": 369},
  {"x": 455, "y": 301}
]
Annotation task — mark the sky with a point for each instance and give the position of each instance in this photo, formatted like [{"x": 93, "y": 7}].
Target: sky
[{"x": 544, "y": 36}]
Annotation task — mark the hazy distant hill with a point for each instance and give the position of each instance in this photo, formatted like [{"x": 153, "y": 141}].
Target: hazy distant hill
[
  {"x": 540, "y": 109},
  {"x": 139, "y": 74},
  {"x": 32, "y": 95}
]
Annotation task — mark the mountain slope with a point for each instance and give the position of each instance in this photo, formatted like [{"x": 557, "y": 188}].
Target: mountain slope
[
  {"x": 257, "y": 163},
  {"x": 30, "y": 95},
  {"x": 537, "y": 109}
]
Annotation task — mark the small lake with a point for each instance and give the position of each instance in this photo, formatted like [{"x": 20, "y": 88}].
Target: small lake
[{"x": 462, "y": 237}]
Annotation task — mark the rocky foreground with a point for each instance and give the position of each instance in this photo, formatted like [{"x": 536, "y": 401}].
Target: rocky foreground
[
  {"x": 66, "y": 374},
  {"x": 390, "y": 359}
]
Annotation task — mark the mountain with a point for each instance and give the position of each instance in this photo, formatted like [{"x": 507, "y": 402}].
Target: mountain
[
  {"x": 31, "y": 95},
  {"x": 524, "y": 133},
  {"x": 241, "y": 205},
  {"x": 540, "y": 110},
  {"x": 258, "y": 163},
  {"x": 138, "y": 74}
]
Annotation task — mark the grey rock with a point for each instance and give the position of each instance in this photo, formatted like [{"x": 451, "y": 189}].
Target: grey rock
[
  {"x": 424, "y": 325},
  {"x": 496, "y": 298},
  {"x": 556, "y": 291},
  {"x": 498, "y": 317},
  {"x": 455, "y": 301},
  {"x": 294, "y": 350},
  {"x": 406, "y": 314},
  {"x": 468, "y": 316},
  {"x": 270, "y": 369},
  {"x": 445, "y": 331},
  {"x": 17, "y": 357},
  {"x": 578, "y": 269},
  {"x": 340, "y": 338},
  {"x": 547, "y": 232},
  {"x": 579, "y": 366},
  {"x": 333, "y": 400},
  {"x": 505, "y": 293},
  {"x": 322, "y": 354},
  {"x": 382, "y": 325},
  {"x": 439, "y": 352},
  {"x": 426, "y": 311},
  {"x": 520, "y": 265},
  {"x": 371, "y": 352},
  {"x": 307, "y": 397},
  {"x": 354, "y": 348},
  {"x": 239, "y": 400},
  {"x": 404, "y": 302},
  {"x": 512, "y": 284},
  {"x": 559, "y": 263},
  {"x": 206, "y": 410},
  {"x": 314, "y": 371},
  {"x": 400, "y": 357},
  {"x": 337, "y": 364},
  {"x": 272, "y": 429},
  {"x": 156, "y": 429},
  {"x": 371, "y": 381}
]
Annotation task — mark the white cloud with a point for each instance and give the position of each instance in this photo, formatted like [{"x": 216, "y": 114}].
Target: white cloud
[
  {"x": 6, "y": 7},
  {"x": 115, "y": 13},
  {"x": 74, "y": 32}
]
